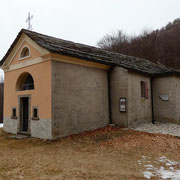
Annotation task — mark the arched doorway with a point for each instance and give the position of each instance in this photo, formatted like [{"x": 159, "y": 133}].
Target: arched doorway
[{"x": 25, "y": 82}]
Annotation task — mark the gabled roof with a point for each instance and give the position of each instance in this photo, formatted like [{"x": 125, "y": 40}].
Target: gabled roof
[{"x": 90, "y": 53}]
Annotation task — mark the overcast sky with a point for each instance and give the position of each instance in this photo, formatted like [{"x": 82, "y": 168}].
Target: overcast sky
[{"x": 83, "y": 21}]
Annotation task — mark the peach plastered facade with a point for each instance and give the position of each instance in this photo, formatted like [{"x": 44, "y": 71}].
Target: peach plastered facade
[{"x": 40, "y": 96}]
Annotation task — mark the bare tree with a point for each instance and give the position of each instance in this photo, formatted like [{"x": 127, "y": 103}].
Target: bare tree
[
  {"x": 115, "y": 41},
  {"x": 157, "y": 46}
]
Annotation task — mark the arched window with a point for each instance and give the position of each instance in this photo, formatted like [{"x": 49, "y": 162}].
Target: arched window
[
  {"x": 25, "y": 52},
  {"x": 25, "y": 82}
]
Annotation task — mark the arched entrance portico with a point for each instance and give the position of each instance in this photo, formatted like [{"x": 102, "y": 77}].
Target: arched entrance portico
[{"x": 25, "y": 82}]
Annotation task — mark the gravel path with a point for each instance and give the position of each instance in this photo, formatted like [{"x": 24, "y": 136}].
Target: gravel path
[{"x": 164, "y": 128}]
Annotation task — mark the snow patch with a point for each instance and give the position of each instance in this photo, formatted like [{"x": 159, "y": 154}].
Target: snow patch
[
  {"x": 169, "y": 174},
  {"x": 148, "y": 174},
  {"x": 166, "y": 171}
]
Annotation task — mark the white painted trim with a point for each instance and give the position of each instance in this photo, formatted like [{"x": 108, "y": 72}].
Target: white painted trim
[
  {"x": 13, "y": 54},
  {"x": 25, "y": 64}
]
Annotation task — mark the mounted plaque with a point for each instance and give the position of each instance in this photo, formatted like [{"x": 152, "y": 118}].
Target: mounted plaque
[
  {"x": 164, "y": 97},
  {"x": 122, "y": 104}
]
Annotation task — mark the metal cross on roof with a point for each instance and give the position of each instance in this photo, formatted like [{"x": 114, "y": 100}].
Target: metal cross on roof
[{"x": 28, "y": 20}]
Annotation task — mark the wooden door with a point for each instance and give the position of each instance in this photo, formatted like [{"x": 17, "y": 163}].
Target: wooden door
[{"x": 24, "y": 111}]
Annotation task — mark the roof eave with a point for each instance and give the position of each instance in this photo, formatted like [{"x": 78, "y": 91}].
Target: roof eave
[{"x": 11, "y": 48}]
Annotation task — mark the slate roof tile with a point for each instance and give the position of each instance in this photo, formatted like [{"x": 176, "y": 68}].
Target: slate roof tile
[{"x": 90, "y": 53}]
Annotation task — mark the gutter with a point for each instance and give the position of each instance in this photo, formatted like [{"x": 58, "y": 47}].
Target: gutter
[
  {"x": 152, "y": 102},
  {"x": 109, "y": 94}
]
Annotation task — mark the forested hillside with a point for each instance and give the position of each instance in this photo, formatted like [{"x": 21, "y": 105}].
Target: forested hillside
[{"x": 159, "y": 46}]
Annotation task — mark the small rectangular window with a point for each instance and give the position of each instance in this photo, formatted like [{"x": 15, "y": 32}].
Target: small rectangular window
[
  {"x": 35, "y": 113},
  {"x": 144, "y": 90},
  {"x": 14, "y": 113}
]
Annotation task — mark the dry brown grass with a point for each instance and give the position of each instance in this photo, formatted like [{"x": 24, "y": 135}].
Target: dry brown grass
[{"x": 107, "y": 153}]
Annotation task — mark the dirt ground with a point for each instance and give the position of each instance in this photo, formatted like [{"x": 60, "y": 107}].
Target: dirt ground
[{"x": 108, "y": 154}]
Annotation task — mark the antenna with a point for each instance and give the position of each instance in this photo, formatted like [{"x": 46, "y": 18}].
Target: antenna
[{"x": 28, "y": 20}]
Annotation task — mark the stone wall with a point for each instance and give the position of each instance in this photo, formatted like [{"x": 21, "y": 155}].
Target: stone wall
[
  {"x": 10, "y": 125},
  {"x": 79, "y": 98},
  {"x": 41, "y": 128},
  {"x": 127, "y": 84},
  {"x": 177, "y": 100},
  {"x": 167, "y": 111},
  {"x": 139, "y": 109},
  {"x": 119, "y": 88}
]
